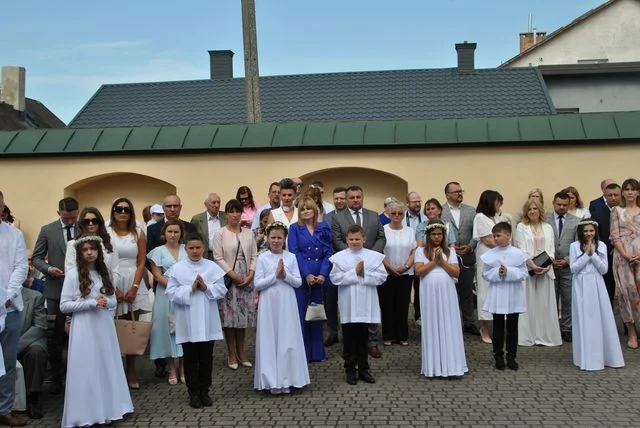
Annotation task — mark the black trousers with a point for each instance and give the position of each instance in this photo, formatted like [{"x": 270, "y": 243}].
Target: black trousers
[
  {"x": 394, "y": 296},
  {"x": 465, "y": 293},
  {"x": 355, "y": 337},
  {"x": 609, "y": 282},
  {"x": 57, "y": 341},
  {"x": 198, "y": 365},
  {"x": 331, "y": 308},
  {"x": 512, "y": 335},
  {"x": 416, "y": 297},
  {"x": 34, "y": 364}
]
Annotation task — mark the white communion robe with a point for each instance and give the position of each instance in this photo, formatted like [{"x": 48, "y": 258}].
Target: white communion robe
[
  {"x": 505, "y": 294},
  {"x": 357, "y": 295},
  {"x": 196, "y": 314},
  {"x": 595, "y": 338},
  {"x": 281, "y": 361}
]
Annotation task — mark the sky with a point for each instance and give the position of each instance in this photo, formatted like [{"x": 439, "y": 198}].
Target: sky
[{"x": 72, "y": 47}]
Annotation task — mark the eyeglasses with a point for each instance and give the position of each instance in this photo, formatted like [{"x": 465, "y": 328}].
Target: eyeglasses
[
  {"x": 397, "y": 213},
  {"x": 122, "y": 209},
  {"x": 90, "y": 221},
  {"x": 460, "y": 192}
]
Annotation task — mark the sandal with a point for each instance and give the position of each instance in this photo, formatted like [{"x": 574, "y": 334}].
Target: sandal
[
  {"x": 404, "y": 343},
  {"x": 172, "y": 378},
  {"x": 387, "y": 343}
]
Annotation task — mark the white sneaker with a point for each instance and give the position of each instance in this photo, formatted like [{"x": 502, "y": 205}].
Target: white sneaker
[{"x": 419, "y": 321}]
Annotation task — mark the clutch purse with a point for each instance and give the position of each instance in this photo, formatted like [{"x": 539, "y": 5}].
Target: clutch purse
[
  {"x": 541, "y": 260},
  {"x": 315, "y": 312}
]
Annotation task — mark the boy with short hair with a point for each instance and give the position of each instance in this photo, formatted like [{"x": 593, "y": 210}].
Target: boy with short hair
[
  {"x": 505, "y": 268},
  {"x": 357, "y": 272}
]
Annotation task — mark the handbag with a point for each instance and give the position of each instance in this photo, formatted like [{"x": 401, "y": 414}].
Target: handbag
[
  {"x": 133, "y": 335},
  {"x": 228, "y": 282},
  {"x": 541, "y": 260},
  {"x": 315, "y": 311}
]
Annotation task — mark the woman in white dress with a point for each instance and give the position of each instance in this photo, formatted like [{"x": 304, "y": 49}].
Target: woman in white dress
[
  {"x": 287, "y": 213},
  {"x": 96, "y": 389},
  {"x": 576, "y": 206},
  {"x": 539, "y": 325},
  {"x": 488, "y": 214},
  {"x": 162, "y": 343},
  {"x": 130, "y": 244},
  {"x": 595, "y": 338},
  {"x": 281, "y": 360},
  {"x": 442, "y": 341}
]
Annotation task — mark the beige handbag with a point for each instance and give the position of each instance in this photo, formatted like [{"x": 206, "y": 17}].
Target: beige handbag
[{"x": 133, "y": 336}]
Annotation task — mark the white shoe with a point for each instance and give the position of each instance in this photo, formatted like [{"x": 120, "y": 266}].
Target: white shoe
[
  {"x": 286, "y": 391},
  {"x": 419, "y": 321},
  {"x": 276, "y": 391}
]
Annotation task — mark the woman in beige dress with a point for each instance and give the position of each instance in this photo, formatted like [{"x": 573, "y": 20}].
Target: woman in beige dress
[
  {"x": 625, "y": 237},
  {"x": 234, "y": 249}
]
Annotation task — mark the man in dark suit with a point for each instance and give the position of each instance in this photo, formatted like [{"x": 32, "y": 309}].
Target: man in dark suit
[
  {"x": 48, "y": 258},
  {"x": 172, "y": 207},
  {"x": 460, "y": 216},
  {"x": 32, "y": 348},
  {"x": 602, "y": 215},
  {"x": 331, "y": 292},
  {"x": 209, "y": 222},
  {"x": 374, "y": 240},
  {"x": 600, "y": 202},
  {"x": 564, "y": 227}
]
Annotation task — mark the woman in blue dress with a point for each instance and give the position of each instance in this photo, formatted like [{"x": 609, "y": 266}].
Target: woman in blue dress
[
  {"x": 310, "y": 241},
  {"x": 163, "y": 339}
]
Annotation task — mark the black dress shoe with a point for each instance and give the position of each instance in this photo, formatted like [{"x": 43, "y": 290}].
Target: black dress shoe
[
  {"x": 367, "y": 377},
  {"x": 352, "y": 379},
  {"x": 567, "y": 336},
  {"x": 375, "y": 352},
  {"x": 500, "y": 365},
  {"x": 331, "y": 340},
  {"x": 205, "y": 399},
  {"x": 34, "y": 410},
  {"x": 56, "y": 388},
  {"x": 513, "y": 365},
  {"x": 195, "y": 401},
  {"x": 471, "y": 329}
]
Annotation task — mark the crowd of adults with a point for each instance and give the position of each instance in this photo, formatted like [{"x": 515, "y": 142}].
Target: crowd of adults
[{"x": 138, "y": 253}]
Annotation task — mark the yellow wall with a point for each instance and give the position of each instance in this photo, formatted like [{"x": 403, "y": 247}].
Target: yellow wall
[{"x": 33, "y": 186}]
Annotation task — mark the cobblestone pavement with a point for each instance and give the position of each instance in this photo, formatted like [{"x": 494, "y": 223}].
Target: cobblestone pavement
[{"x": 547, "y": 391}]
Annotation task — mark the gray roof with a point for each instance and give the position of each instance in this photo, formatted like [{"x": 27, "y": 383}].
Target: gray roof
[{"x": 373, "y": 95}]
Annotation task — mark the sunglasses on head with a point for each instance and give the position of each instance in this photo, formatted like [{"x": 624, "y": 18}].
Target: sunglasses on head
[
  {"x": 122, "y": 209},
  {"x": 90, "y": 221}
]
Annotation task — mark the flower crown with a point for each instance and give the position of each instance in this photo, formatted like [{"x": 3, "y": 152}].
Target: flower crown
[
  {"x": 588, "y": 223},
  {"x": 88, "y": 238},
  {"x": 434, "y": 226},
  {"x": 275, "y": 225}
]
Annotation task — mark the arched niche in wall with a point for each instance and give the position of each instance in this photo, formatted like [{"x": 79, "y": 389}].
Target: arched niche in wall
[
  {"x": 377, "y": 185},
  {"x": 100, "y": 190}
]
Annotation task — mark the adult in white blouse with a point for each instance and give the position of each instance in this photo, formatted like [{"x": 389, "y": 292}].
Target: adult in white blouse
[
  {"x": 487, "y": 215},
  {"x": 287, "y": 213},
  {"x": 539, "y": 325},
  {"x": 395, "y": 292},
  {"x": 576, "y": 206}
]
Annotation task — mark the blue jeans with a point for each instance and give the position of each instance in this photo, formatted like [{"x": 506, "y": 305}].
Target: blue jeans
[{"x": 9, "y": 340}]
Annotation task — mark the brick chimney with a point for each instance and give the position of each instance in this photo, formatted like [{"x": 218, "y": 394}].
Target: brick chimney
[
  {"x": 13, "y": 87},
  {"x": 466, "y": 57},
  {"x": 529, "y": 39},
  {"x": 221, "y": 64}
]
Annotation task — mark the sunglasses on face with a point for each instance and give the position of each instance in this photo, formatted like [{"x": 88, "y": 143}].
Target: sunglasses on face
[
  {"x": 90, "y": 221},
  {"x": 122, "y": 209}
]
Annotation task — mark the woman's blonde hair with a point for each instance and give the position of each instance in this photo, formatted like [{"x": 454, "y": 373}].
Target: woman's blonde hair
[
  {"x": 536, "y": 190},
  {"x": 525, "y": 211},
  {"x": 308, "y": 202}
]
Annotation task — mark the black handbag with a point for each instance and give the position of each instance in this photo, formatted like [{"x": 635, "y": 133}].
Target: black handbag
[
  {"x": 541, "y": 260},
  {"x": 228, "y": 282}
]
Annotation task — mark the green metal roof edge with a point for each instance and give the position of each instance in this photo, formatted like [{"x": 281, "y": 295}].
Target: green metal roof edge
[{"x": 339, "y": 135}]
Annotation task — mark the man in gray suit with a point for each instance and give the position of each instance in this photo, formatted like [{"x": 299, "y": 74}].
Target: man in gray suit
[
  {"x": 460, "y": 216},
  {"x": 331, "y": 292},
  {"x": 48, "y": 258},
  {"x": 373, "y": 235},
  {"x": 32, "y": 348},
  {"x": 564, "y": 227},
  {"x": 209, "y": 222}
]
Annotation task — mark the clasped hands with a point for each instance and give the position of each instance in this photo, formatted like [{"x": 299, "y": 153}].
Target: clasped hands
[
  {"x": 101, "y": 302},
  {"x": 198, "y": 284}
]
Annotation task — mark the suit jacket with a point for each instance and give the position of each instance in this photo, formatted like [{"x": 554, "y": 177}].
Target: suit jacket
[
  {"x": 597, "y": 203},
  {"x": 52, "y": 246},
  {"x": 464, "y": 231},
  {"x": 201, "y": 223},
  {"x": 154, "y": 233},
  {"x": 564, "y": 241},
  {"x": 602, "y": 215},
  {"x": 34, "y": 321},
  {"x": 373, "y": 230}
]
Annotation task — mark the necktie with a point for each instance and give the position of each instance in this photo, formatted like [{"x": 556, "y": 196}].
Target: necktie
[
  {"x": 358, "y": 219},
  {"x": 69, "y": 237},
  {"x": 560, "y": 224}
]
